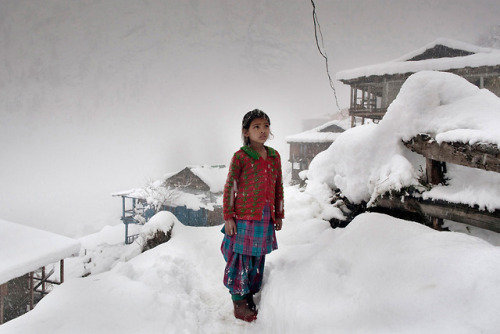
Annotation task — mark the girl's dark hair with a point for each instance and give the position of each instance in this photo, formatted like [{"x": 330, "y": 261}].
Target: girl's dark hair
[{"x": 247, "y": 120}]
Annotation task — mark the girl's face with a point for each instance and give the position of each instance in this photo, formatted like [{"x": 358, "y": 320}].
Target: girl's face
[{"x": 258, "y": 132}]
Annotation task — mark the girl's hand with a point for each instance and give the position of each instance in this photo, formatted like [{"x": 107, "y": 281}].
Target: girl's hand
[
  {"x": 278, "y": 224},
  {"x": 230, "y": 227}
]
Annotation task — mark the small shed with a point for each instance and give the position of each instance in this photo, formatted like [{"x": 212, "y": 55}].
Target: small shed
[
  {"x": 306, "y": 145},
  {"x": 373, "y": 88},
  {"x": 193, "y": 195},
  {"x": 24, "y": 274}
]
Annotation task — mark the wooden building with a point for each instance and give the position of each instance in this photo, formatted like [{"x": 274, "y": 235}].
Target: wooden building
[
  {"x": 207, "y": 184},
  {"x": 306, "y": 145},
  {"x": 193, "y": 195},
  {"x": 28, "y": 266},
  {"x": 373, "y": 88}
]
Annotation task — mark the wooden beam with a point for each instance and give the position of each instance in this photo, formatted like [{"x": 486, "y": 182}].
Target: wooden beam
[
  {"x": 466, "y": 72},
  {"x": 482, "y": 156},
  {"x": 367, "y": 113},
  {"x": 461, "y": 213}
]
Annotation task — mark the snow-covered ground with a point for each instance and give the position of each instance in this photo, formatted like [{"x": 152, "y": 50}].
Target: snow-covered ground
[{"x": 378, "y": 275}]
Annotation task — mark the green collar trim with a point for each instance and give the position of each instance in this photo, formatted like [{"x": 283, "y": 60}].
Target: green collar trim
[{"x": 253, "y": 154}]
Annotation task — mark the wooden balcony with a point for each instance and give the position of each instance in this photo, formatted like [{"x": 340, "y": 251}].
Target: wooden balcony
[{"x": 371, "y": 113}]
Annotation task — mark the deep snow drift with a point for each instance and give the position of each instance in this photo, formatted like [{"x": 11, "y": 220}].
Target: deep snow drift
[
  {"x": 375, "y": 161},
  {"x": 378, "y": 275}
]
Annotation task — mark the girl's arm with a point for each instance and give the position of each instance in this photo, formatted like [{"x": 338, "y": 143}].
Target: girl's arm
[
  {"x": 231, "y": 188},
  {"x": 279, "y": 196}
]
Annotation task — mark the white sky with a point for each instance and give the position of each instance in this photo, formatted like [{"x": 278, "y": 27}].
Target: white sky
[{"x": 99, "y": 97}]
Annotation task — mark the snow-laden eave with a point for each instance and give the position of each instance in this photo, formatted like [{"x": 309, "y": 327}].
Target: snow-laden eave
[
  {"x": 25, "y": 249},
  {"x": 315, "y": 135},
  {"x": 137, "y": 193},
  {"x": 450, "y": 43},
  {"x": 440, "y": 64},
  {"x": 481, "y": 57}
]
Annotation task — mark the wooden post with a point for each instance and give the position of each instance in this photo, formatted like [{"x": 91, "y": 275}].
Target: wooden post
[
  {"x": 369, "y": 98},
  {"x": 352, "y": 98},
  {"x": 363, "y": 96},
  {"x": 61, "y": 271},
  {"x": 32, "y": 290},
  {"x": 435, "y": 175},
  {"x": 3, "y": 293},
  {"x": 434, "y": 171},
  {"x": 126, "y": 233},
  {"x": 437, "y": 223},
  {"x": 43, "y": 281},
  {"x": 355, "y": 97}
]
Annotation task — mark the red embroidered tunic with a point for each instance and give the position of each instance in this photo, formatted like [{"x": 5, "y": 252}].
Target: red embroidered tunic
[{"x": 251, "y": 183}]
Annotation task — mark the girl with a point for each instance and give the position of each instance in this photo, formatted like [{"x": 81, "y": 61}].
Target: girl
[{"x": 253, "y": 210}]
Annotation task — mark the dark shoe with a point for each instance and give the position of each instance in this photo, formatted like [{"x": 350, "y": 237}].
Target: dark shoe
[
  {"x": 250, "y": 302},
  {"x": 242, "y": 312}
]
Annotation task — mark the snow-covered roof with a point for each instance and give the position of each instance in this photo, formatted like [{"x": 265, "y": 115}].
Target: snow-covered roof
[
  {"x": 25, "y": 249},
  {"x": 213, "y": 176},
  {"x": 318, "y": 134},
  {"x": 480, "y": 57}
]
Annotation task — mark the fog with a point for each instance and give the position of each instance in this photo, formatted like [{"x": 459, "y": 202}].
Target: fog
[{"x": 102, "y": 96}]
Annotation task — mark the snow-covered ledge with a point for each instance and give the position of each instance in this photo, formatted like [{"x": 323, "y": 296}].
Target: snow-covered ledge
[{"x": 25, "y": 249}]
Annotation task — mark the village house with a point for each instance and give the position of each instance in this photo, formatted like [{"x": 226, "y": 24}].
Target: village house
[
  {"x": 306, "y": 145},
  {"x": 205, "y": 184},
  {"x": 193, "y": 195},
  {"x": 374, "y": 87},
  {"x": 28, "y": 266}
]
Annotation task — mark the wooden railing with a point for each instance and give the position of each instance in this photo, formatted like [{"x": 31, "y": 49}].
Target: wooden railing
[
  {"x": 481, "y": 156},
  {"x": 371, "y": 113}
]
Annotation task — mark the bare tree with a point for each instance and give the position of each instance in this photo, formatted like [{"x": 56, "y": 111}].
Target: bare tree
[{"x": 157, "y": 195}]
